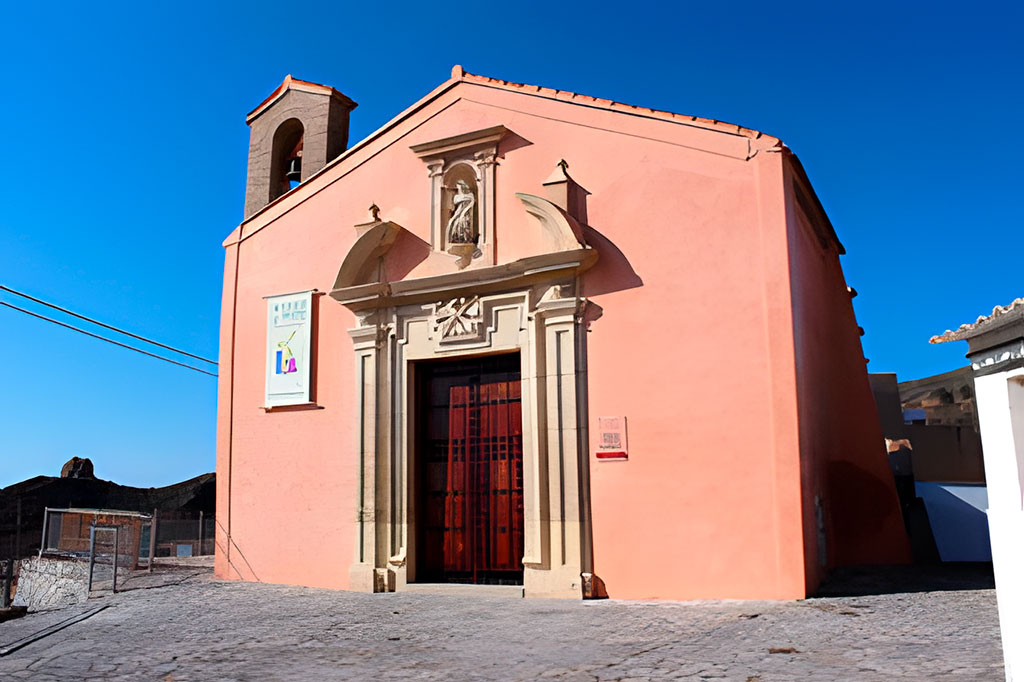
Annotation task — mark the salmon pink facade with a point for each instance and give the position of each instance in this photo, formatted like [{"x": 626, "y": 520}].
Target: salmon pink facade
[{"x": 554, "y": 341}]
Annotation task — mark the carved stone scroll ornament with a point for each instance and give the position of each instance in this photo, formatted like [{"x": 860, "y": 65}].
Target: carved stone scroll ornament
[{"x": 458, "y": 318}]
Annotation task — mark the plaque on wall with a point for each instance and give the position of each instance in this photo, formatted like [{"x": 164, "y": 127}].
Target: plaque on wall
[
  {"x": 611, "y": 438},
  {"x": 288, "y": 356}
]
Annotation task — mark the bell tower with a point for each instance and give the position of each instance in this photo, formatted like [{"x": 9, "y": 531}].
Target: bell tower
[{"x": 292, "y": 134}]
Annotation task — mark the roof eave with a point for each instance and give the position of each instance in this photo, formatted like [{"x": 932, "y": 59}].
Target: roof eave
[
  {"x": 998, "y": 320},
  {"x": 290, "y": 83}
]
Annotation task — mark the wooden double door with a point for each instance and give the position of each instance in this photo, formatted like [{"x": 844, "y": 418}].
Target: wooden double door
[{"x": 470, "y": 471}]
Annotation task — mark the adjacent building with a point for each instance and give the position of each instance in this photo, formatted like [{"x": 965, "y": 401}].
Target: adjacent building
[
  {"x": 930, "y": 428},
  {"x": 995, "y": 348},
  {"x": 524, "y": 336}
]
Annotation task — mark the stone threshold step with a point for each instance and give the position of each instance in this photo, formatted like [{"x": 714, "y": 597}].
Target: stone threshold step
[{"x": 464, "y": 590}]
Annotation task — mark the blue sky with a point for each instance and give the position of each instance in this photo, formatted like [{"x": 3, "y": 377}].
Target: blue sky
[{"x": 125, "y": 129}]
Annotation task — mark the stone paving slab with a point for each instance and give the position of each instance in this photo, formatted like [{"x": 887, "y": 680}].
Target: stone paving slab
[{"x": 203, "y": 629}]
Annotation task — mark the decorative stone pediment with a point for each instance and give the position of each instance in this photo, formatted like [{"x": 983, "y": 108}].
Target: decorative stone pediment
[
  {"x": 561, "y": 232},
  {"x": 463, "y": 145},
  {"x": 363, "y": 281},
  {"x": 362, "y": 260},
  {"x": 462, "y": 179}
]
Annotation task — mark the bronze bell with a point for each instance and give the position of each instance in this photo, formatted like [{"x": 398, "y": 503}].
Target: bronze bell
[{"x": 294, "y": 172}]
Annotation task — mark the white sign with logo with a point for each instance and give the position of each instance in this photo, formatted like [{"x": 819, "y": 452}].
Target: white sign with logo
[{"x": 289, "y": 319}]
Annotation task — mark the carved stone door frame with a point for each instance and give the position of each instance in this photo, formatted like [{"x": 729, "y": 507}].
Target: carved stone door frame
[{"x": 547, "y": 328}]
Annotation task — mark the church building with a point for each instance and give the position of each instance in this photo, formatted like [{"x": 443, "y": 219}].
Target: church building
[{"x": 522, "y": 336}]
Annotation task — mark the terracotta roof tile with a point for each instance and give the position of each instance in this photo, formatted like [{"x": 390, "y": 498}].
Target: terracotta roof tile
[
  {"x": 981, "y": 324},
  {"x": 567, "y": 95},
  {"x": 289, "y": 82}
]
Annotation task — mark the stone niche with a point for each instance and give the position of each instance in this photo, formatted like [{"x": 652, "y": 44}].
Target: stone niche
[
  {"x": 459, "y": 217},
  {"x": 461, "y": 167}
]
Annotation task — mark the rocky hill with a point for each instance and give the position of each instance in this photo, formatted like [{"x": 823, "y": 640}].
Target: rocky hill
[{"x": 77, "y": 487}]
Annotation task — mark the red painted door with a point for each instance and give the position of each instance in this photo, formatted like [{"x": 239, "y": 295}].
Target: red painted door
[{"x": 472, "y": 472}]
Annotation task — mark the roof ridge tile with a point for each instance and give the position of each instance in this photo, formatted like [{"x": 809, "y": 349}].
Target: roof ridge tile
[
  {"x": 458, "y": 73},
  {"x": 964, "y": 330}
]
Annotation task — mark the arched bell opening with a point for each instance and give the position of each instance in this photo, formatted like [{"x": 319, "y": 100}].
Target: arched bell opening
[{"x": 286, "y": 158}]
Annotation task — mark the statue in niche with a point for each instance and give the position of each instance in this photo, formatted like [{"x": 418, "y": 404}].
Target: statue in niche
[{"x": 460, "y": 228}]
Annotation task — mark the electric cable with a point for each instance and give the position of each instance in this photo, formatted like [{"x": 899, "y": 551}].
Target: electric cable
[
  {"x": 101, "y": 324},
  {"x": 103, "y": 338}
]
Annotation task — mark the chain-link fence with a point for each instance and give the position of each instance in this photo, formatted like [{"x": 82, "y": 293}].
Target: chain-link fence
[
  {"x": 6, "y": 582},
  {"x": 97, "y": 533},
  {"x": 85, "y": 550},
  {"x": 16, "y": 538},
  {"x": 81, "y": 551},
  {"x": 184, "y": 534},
  {"x": 66, "y": 531},
  {"x": 107, "y": 558}
]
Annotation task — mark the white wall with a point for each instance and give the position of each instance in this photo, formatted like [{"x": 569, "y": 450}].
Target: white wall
[
  {"x": 957, "y": 515},
  {"x": 1000, "y": 398}
]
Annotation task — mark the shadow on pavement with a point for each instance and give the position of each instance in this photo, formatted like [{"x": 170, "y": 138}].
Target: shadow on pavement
[{"x": 859, "y": 581}]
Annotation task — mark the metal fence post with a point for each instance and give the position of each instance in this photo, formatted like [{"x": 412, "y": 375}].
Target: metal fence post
[
  {"x": 152, "y": 542},
  {"x": 5, "y": 600},
  {"x": 92, "y": 552},
  {"x": 117, "y": 538},
  {"x": 17, "y": 533},
  {"x": 46, "y": 526}
]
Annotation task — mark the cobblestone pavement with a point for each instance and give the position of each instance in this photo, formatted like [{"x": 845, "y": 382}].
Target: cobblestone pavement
[{"x": 203, "y": 629}]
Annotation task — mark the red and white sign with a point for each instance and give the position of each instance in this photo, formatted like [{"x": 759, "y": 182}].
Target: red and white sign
[{"x": 611, "y": 438}]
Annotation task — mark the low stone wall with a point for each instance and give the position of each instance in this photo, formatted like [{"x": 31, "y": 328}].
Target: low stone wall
[{"x": 49, "y": 583}]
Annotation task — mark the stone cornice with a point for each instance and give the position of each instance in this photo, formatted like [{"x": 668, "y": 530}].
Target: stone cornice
[
  {"x": 519, "y": 274},
  {"x": 478, "y": 139}
]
